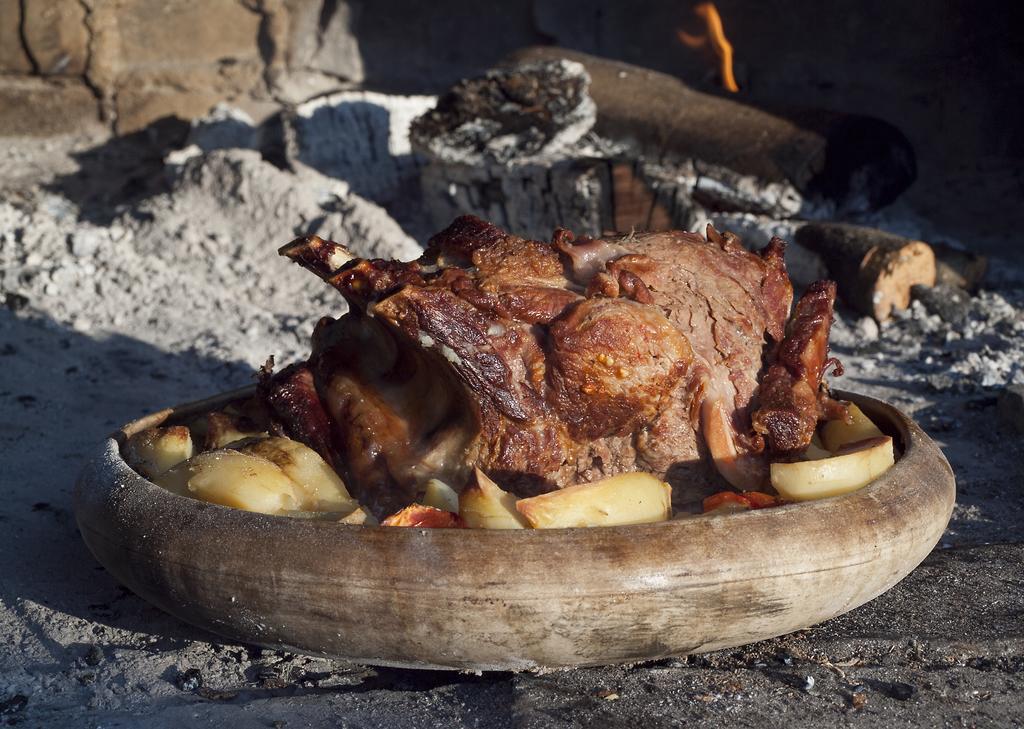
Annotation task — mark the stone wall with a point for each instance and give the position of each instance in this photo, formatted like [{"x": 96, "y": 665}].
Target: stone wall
[{"x": 68, "y": 65}]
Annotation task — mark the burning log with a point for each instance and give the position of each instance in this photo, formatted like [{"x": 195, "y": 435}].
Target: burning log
[
  {"x": 855, "y": 162},
  {"x": 875, "y": 270},
  {"x": 555, "y": 137}
]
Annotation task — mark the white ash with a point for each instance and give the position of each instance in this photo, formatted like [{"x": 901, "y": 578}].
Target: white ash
[
  {"x": 181, "y": 259},
  {"x": 986, "y": 352},
  {"x": 707, "y": 187},
  {"x": 361, "y": 137},
  {"x": 225, "y": 127},
  {"x": 866, "y": 329},
  {"x": 180, "y": 296}
]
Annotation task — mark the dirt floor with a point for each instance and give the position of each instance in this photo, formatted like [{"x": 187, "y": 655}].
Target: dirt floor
[{"x": 127, "y": 284}]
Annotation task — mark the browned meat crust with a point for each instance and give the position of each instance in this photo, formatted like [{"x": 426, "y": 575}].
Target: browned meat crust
[
  {"x": 546, "y": 364},
  {"x": 791, "y": 399},
  {"x": 294, "y": 406}
]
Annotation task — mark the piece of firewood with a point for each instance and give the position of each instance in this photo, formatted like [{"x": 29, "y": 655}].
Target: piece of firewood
[
  {"x": 634, "y": 204},
  {"x": 874, "y": 270},
  {"x": 853, "y": 161},
  {"x": 508, "y": 146},
  {"x": 555, "y": 138}
]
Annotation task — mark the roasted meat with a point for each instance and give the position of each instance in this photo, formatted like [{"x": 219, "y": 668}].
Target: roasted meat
[
  {"x": 792, "y": 400},
  {"x": 547, "y": 364}
]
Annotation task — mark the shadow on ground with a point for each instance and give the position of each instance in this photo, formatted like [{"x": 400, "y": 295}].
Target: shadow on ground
[
  {"x": 61, "y": 392},
  {"x": 121, "y": 170}
]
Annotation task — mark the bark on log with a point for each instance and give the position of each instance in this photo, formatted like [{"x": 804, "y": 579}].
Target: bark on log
[{"x": 874, "y": 270}]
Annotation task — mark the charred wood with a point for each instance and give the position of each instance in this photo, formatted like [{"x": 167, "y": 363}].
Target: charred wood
[
  {"x": 855, "y": 162},
  {"x": 557, "y": 138}
]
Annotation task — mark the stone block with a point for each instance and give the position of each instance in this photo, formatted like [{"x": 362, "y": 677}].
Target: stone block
[
  {"x": 177, "y": 33},
  {"x": 56, "y": 36},
  {"x": 138, "y": 106},
  {"x": 187, "y": 92},
  {"x": 13, "y": 58},
  {"x": 312, "y": 52},
  {"x": 41, "y": 107}
]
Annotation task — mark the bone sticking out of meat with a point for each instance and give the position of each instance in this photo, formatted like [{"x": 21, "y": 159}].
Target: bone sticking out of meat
[
  {"x": 874, "y": 270},
  {"x": 546, "y": 364},
  {"x": 791, "y": 398},
  {"x": 523, "y": 146}
]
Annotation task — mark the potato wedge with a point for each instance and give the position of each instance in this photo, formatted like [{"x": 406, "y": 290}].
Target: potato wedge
[
  {"x": 629, "y": 498},
  {"x": 483, "y": 505},
  {"x": 418, "y": 515},
  {"x": 361, "y": 517},
  {"x": 156, "y": 450},
  {"x": 234, "y": 479},
  {"x": 837, "y": 433},
  {"x": 816, "y": 453},
  {"x": 441, "y": 496},
  {"x": 321, "y": 488},
  {"x": 840, "y": 474}
]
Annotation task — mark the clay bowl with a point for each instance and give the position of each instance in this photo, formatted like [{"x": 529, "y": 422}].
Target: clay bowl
[{"x": 499, "y": 600}]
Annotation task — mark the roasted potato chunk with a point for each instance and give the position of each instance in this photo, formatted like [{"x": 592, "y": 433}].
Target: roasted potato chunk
[
  {"x": 360, "y": 517},
  {"x": 320, "y": 487},
  {"x": 234, "y": 479},
  {"x": 154, "y": 451},
  {"x": 837, "y": 433},
  {"x": 483, "y": 505},
  {"x": 815, "y": 452},
  {"x": 223, "y": 429},
  {"x": 629, "y": 498},
  {"x": 847, "y": 471},
  {"x": 441, "y": 496}
]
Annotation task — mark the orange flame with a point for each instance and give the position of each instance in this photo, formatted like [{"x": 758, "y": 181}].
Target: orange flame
[{"x": 714, "y": 33}]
